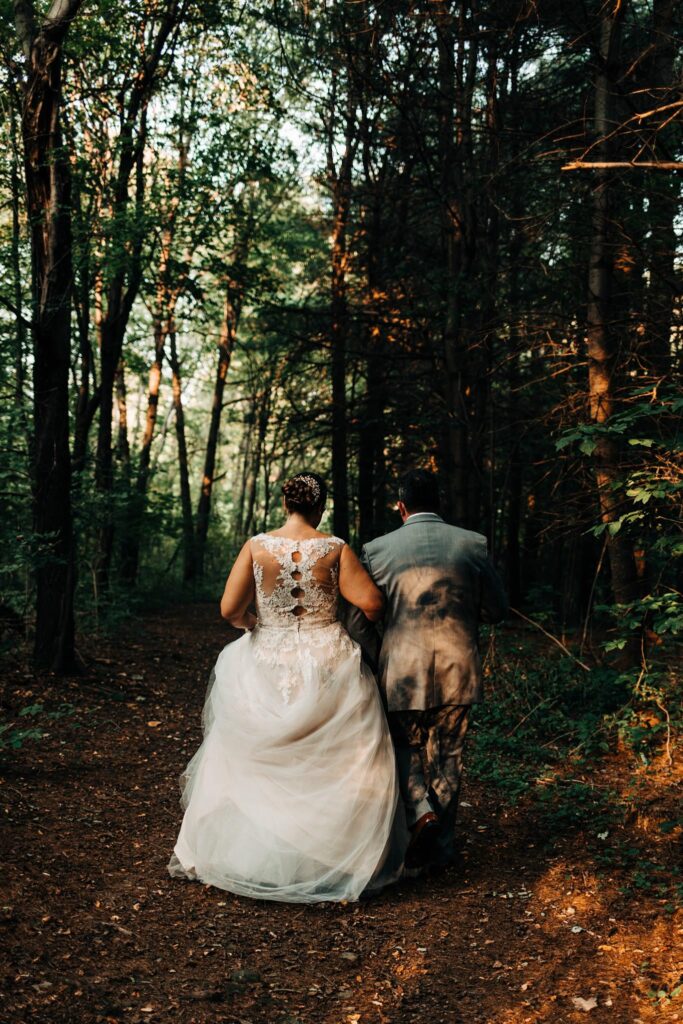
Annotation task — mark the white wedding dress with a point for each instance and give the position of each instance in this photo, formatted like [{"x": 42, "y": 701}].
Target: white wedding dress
[{"x": 293, "y": 793}]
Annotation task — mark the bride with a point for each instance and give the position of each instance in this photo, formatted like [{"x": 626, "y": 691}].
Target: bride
[{"x": 293, "y": 794}]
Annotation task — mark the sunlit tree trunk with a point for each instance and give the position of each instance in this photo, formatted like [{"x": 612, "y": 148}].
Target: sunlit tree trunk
[
  {"x": 226, "y": 344},
  {"x": 183, "y": 462},
  {"x": 122, "y": 443},
  {"x": 262, "y": 421},
  {"x": 169, "y": 287}
]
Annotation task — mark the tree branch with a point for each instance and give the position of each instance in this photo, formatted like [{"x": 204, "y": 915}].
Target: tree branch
[
  {"x": 650, "y": 165},
  {"x": 550, "y": 636},
  {"x": 17, "y": 313},
  {"x": 61, "y": 13}
]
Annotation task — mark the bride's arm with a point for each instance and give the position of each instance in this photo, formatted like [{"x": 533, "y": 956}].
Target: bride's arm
[
  {"x": 357, "y": 587},
  {"x": 239, "y": 591}
]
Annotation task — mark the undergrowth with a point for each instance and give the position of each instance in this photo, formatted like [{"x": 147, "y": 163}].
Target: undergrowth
[{"x": 585, "y": 752}]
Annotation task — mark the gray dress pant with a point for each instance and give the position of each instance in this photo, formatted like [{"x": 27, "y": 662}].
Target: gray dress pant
[{"x": 429, "y": 746}]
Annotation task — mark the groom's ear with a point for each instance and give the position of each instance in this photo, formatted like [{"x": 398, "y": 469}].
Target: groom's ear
[{"x": 402, "y": 510}]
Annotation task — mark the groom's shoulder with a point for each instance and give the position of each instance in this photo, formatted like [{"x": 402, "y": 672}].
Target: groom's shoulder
[
  {"x": 470, "y": 536},
  {"x": 378, "y": 543},
  {"x": 402, "y": 535}
]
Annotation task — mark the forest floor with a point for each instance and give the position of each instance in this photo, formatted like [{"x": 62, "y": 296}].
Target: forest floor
[{"x": 529, "y": 929}]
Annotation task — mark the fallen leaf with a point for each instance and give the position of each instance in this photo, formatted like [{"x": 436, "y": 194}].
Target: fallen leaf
[
  {"x": 584, "y": 1004},
  {"x": 153, "y": 725}
]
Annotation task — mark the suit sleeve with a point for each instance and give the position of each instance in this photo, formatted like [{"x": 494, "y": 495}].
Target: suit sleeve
[
  {"x": 493, "y": 602},
  {"x": 359, "y": 627}
]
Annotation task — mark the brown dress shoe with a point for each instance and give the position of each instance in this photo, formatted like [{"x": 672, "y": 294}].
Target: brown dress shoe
[{"x": 425, "y": 832}]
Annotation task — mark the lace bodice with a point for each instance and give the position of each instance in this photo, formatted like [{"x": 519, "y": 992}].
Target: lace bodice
[
  {"x": 297, "y": 592},
  {"x": 297, "y": 581}
]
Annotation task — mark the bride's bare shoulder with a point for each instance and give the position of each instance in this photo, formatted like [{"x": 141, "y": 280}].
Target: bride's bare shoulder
[{"x": 328, "y": 536}]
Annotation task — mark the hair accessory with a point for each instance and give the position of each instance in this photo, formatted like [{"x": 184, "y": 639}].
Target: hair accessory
[{"x": 311, "y": 482}]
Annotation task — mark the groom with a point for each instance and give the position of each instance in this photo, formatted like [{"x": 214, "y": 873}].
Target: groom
[{"x": 438, "y": 584}]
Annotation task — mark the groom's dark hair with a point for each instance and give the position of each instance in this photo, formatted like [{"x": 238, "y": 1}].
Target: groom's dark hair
[{"x": 418, "y": 489}]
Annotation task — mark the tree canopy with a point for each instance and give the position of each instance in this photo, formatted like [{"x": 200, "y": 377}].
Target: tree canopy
[{"x": 238, "y": 242}]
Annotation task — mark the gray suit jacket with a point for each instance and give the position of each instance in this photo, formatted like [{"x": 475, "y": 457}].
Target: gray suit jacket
[{"x": 439, "y": 584}]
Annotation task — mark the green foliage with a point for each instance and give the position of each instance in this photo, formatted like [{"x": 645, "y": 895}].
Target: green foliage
[
  {"x": 231, "y": 196},
  {"x": 13, "y": 735},
  {"x": 543, "y": 736}
]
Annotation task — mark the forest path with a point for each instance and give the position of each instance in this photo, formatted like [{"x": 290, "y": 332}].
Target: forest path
[{"x": 99, "y": 932}]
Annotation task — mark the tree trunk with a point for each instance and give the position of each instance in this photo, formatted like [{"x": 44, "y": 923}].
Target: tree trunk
[
  {"x": 130, "y": 553},
  {"x": 245, "y": 461},
  {"x": 87, "y": 403},
  {"x": 125, "y": 282},
  {"x": 340, "y": 182},
  {"x": 602, "y": 345},
  {"x": 371, "y": 438},
  {"x": 121, "y": 294},
  {"x": 255, "y": 467},
  {"x": 48, "y": 190},
  {"x": 183, "y": 463},
  {"x": 163, "y": 321},
  {"x": 20, "y": 352},
  {"x": 663, "y": 192},
  {"x": 226, "y": 346},
  {"x": 122, "y": 444},
  {"x": 339, "y": 312},
  {"x": 456, "y": 81}
]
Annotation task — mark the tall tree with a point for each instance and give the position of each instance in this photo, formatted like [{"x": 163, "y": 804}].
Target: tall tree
[
  {"x": 48, "y": 192},
  {"x": 602, "y": 339},
  {"x": 226, "y": 344},
  {"x": 158, "y": 35},
  {"x": 339, "y": 171}
]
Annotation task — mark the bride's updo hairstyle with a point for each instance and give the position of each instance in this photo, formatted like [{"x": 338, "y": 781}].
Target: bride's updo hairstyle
[{"x": 305, "y": 493}]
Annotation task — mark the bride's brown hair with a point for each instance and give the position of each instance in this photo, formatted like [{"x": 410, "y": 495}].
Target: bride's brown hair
[{"x": 304, "y": 492}]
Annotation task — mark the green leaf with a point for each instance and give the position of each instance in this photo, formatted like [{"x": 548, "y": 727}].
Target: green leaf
[{"x": 669, "y": 826}]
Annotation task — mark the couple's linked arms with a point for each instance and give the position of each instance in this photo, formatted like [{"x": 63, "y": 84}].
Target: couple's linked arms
[{"x": 355, "y": 586}]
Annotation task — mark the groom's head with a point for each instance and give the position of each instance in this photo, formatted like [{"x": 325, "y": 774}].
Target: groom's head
[{"x": 418, "y": 491}]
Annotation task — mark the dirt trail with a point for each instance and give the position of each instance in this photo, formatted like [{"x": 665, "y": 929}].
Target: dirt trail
[{"x": 94, "y": 930}]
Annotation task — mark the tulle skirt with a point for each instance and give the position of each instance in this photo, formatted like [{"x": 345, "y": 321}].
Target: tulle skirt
[{"x": 293, "y": 793}]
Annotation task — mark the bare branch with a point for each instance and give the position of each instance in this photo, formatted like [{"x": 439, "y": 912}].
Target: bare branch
[
  {"x": 657, "y": 110},
  {"x": 601, "y": 165},
  {"x": 17, "y": 313}
]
